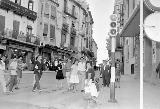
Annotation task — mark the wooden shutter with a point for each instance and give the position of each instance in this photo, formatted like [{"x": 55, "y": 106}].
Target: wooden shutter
[
  {"x": 52, "y": 31},
  {"x": 2, "y": 23},
  {"x": 15, "y": 29}
]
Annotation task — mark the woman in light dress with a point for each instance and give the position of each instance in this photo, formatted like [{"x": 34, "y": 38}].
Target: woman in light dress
[
  {"x": 90, "y": 83},
  {"x": 74, "y": 80}
]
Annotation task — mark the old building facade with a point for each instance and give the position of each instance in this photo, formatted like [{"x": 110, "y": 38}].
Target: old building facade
[{"x": 57, "y": 29}]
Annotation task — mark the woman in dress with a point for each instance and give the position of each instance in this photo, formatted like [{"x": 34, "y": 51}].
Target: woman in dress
[
  {"x": 74, "y": 80},
  {"x": 59, "y": 75}
]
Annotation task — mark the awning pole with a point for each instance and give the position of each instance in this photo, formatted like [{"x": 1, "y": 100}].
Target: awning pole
[{"x": 141, "y": 54}]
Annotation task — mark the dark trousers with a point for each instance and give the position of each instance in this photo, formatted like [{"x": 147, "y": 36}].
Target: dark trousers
[
  {"x": 12, "y": 82},
  {"x": 37, "y": 84},
  {"x": 106, "y": 80}
]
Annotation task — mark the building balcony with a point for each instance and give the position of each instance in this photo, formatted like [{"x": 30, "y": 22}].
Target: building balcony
[
  {"x": 17, "y": 9},
  {"x": 70, "y": 13},
  {"x": 21, "y": 37}
]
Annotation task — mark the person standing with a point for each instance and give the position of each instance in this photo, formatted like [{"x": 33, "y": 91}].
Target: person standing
[
  {"x": 2, "y": 73},
  {"x": 82, "y": 72},
  {"x": 74, "y": 80},
  {"x": 68, "y": 72},
  {"x": 105, "y": 72},
  {"x": 38, "y": 73},
  {"x": 13, "y": 73},
  {"x": 59, "y": 75},
  {"x": 19, "y": 71}
]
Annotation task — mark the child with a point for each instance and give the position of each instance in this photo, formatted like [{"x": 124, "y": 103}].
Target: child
[
  {"x": 90, "y": 85},
  {"x": 74, "y": 80}
]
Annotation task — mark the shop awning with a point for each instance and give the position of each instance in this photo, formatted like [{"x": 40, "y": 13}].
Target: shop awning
[{"x": 132, "y": 27}]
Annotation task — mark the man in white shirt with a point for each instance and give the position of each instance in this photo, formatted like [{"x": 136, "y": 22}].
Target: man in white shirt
[{"x": 81, "y": 72}]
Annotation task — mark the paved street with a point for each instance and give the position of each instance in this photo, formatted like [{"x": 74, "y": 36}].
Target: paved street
[
  {"x": 151, "y": 95},
  {"x": 127, "y": 96}
]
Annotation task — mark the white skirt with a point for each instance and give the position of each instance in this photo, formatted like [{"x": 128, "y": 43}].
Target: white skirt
[
  {"x": 74, "y": 79},
  {"x": 91, "y": 88}
]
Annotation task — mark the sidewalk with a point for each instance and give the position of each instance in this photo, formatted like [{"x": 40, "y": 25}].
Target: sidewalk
[{"x": 51, "y": 98}]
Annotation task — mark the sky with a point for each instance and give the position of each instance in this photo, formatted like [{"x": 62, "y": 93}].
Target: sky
[{"x": 101, "y": 11}]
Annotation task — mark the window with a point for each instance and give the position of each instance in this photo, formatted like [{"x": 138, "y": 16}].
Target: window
[
  {"x": 2, "y": 23},
  {"x": 53, "y": 12},
  {"x": 133, "y": 4},
  {"x": 52, "y": 32},
  {"x": 65, "y": 5},
  {"x": 72, "y": 41},
  {"x": 46, "y": 12},
  {"x": 29, "y": 29},
  {"x": 63, "y": 38},
  {"x": 73, "y": 10},
  {"x": 30, "y": 5},
  {"x": 15, "y": 28},
  {"x": 42, "y": 9},
  {"x": 87, "y": 42},
  {"x": 45, "y": 30},
  {"x": 18, "y": 2}
]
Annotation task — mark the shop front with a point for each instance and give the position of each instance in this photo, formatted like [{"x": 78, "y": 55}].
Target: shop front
[{"x": 27, "y": 51}]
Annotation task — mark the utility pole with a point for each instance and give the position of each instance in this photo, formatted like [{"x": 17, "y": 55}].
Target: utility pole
[{"x": 113, "y": 34}]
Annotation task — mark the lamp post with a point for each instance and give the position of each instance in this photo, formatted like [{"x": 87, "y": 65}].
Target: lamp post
[{"x": 113, "y": 33}]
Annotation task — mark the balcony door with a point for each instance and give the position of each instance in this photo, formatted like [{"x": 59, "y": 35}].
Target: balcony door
[{"x": 15, "y": 29}]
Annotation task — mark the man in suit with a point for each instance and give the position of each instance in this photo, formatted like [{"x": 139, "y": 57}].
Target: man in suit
[{"x": 106, "y": 74}]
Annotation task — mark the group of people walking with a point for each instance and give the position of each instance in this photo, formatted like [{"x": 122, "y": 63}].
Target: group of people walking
[{"x": 15, "y": 71}]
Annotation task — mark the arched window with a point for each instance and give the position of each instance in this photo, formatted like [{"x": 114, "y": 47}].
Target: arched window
[{"x": 30, "y": 5}]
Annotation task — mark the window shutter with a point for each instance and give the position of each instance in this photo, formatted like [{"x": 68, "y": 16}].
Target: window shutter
[
  {"x": 52, "y": 31},
  {"x": 45, "y": 30},
  {"x": 2, "y": 23},
  {"x": 15, "y": 29},
  {"x": 53, "y": 12}
]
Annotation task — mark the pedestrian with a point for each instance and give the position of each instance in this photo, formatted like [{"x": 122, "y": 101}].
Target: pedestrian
[
  {"x": 68, "y": 72},
  {"x": 158, "y": 70},
  {"x": 13, "y": 73},
  {"x": 118, "y": 75},
  {"x": 82, "y": 72},
  {"x": 59, "y": 75},
  {"x": 19, "y": 71},
  {"x": 105, "y": 72},
  {"x": 2, "y": 74},
  {"x": 38, "y": 73},
  {"x": 90, "y": 84},
  {"x": 74, "y": 79}
]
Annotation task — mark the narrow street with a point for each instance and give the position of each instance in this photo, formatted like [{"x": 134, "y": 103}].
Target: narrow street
[{"x": 50, "y": 98}]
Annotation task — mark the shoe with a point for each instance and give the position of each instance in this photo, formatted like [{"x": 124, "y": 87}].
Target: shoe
[
  {"x": 40, "y": 90},
  {"x": 33, "y": 90},
  {"x": 16, "y": 88},
  {"x": 82, "y": 90}
]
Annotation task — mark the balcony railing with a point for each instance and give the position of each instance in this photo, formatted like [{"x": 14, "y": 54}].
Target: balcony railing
[
  {"x": 70, "y": 13},
  {"x": 29, "y": 38},
  {"x": 17, "y": 9}
]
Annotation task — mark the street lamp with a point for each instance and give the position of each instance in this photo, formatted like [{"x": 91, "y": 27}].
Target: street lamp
[{"x": 113, "y": 34}]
